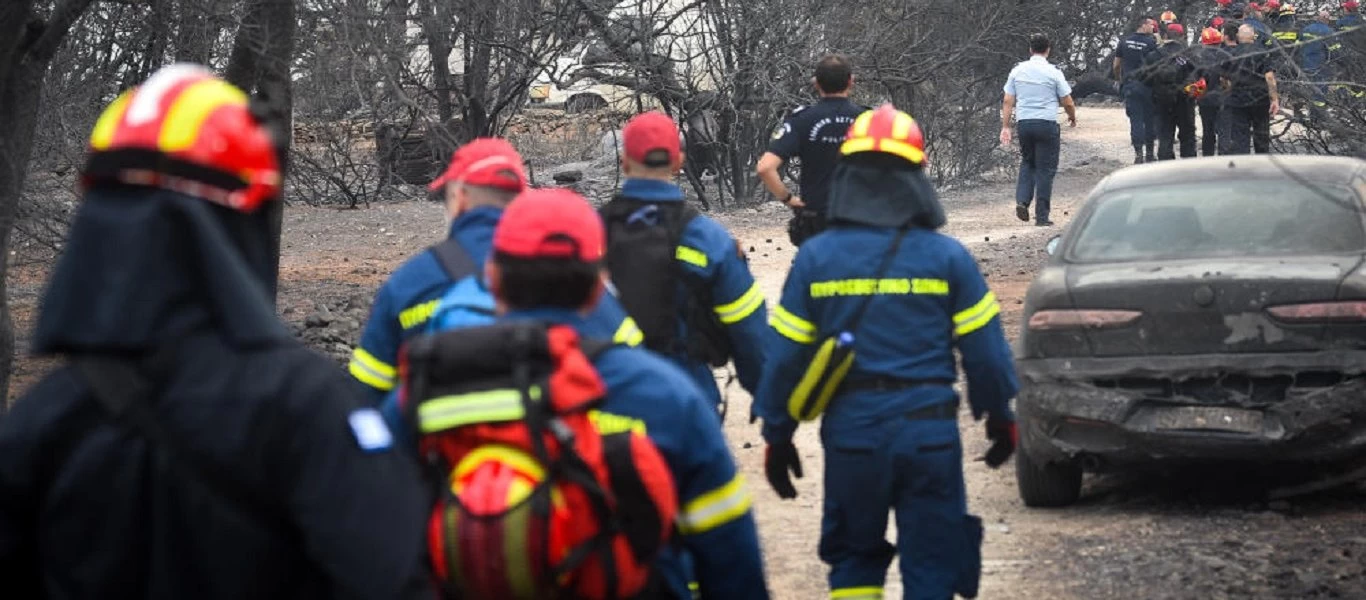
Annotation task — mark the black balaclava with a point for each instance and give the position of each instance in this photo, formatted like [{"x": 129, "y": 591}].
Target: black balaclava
[
  {"x": 882, "y": 190},
  {"x": 144, "y": 266}
]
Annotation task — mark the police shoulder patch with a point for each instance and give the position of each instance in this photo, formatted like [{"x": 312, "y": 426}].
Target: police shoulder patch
[
  {"x": 782, "y": 131},
  {"x": 370, "y": 431}
]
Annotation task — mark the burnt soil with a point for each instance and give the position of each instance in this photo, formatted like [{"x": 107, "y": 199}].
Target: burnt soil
[{"x": 1195, "y": 533}]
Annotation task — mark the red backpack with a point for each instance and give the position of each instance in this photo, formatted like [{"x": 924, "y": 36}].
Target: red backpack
[{"x": 539, "y": 495}]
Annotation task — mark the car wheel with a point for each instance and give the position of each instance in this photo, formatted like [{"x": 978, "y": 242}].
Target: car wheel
[{"x": 1046, "y": 484}]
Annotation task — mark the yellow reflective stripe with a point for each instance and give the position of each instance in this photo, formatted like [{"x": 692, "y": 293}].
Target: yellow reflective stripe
[
  {"x": 857, "y": 593},
  {"x": 854, "y": 145},
  {"x": 695, "y": 590},
  {"x": 368, "y": 377},
  {"x": 608, "y": 424},
  {"x": 514, "y": 457},
  {"x": 103, "y": 135},
  {"x": 901, "y": 149},
  {"x": 977, "y": 316},
  {"x": 791, "y": 326},
  {"x": 628, "y": 333},
  {"x": 492, "y": 406},
  {"x": 861, "y": 125},
  {"x": 417, "y": 314},
  {"x": 901, "y": 126},
  {"x": 371, "y": 371},
  {"x": 931, "y": 287},
  {"x": 191, "y": 108},
  {"x": 742, "y": 308},
  {"x": 692, "y": 256},
  {"x": 715, "y": 508}
]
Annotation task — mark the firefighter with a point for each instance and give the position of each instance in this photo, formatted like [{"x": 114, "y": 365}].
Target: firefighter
[
  {"x": 1165, "y": 20},
  {"x": 1255, "y": 16},
  {"x": 1253, "y": 96},
  {"x": 1131, "y": 55},
  {"x": 689, "y": 287},
  {"x": 190, "y": 447},
  {"x": 1314, "y": 57},
  {"x": 546, "y": 264},
  {"x": 1209, "y": 61},
  {"x": 483, "y": 176},
  {"x": 812, "y": 134},
  {"x": 1350, "y": 19},
  {"x": 885, "y": 291},
  {"x": 1169, "y": 73}
]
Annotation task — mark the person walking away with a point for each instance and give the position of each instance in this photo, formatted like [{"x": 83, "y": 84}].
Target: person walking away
[
  {"x": 1131, "y": 55},
  {"x": 680, "y": 275},
  {"x": 813, "y": 135},
  {"x": 1252, "y": 95},
  {"x": 189, "y": 447},
  {"x": 546, "y": 272},
  {"x": 1210, "y": 61},
  {"x": 870, "y": 316},
  {"x": 1033, "y": 92},
  {"x": 1351, "y": 18},
  {"x": 1317, "y": 37},
  {"x": 1168, "y": 75},
  {"x": 483, "y": 176}
]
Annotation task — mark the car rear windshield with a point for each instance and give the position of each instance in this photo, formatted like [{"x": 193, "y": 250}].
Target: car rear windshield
[{"x": 1225, "y": 218}]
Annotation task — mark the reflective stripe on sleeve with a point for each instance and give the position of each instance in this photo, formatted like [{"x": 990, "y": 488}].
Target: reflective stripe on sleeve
[
  {"x": 371, "y": 371},
  {"x": 692, "y": 256},
  {"x": 977, "y": 316},
  {"x": 791, "y": 326},
  {"x": 742, "y": 308},
  {"x": 715, "y": 508}
]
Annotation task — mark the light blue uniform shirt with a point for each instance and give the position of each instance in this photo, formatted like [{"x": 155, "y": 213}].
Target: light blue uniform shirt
[{"x": 1037, "y": 86}]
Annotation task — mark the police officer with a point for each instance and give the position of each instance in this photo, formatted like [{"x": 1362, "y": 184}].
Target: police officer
[
  {"x": 712, "y": 273},
  {"x": 190, "y": 447},
  {"x": 1169, "y": 73},
  {"x": 546, "y": 266},
  {"x": 1253, "y": 96},
  {"x": 813, "y": 135},
  {"x": 1133, "y": 52},
  {"x": 484, "y": 175},
  {"x": 891, "y": 432}
]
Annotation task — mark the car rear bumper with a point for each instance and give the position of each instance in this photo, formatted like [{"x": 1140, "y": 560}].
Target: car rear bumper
[{"x": 1078, "y": 419}]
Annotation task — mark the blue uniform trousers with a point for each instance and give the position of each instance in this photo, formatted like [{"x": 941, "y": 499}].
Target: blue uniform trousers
[
  {"x": 1040, "y": 143},
  {"x": 1138, "y": 105},
  {"x": 914, "y": 468}
]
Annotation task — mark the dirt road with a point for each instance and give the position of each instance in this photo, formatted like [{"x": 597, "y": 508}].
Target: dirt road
[{"x": 1194, "y": 535}]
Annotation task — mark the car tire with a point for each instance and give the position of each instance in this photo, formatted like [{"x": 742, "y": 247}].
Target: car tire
[{"x": 1044, "y": 485}]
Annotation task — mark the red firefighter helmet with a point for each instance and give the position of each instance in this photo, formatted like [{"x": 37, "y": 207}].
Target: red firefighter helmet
[
  {"x": 1271, "y": 6},
  {"x": 1223, "y": 2},
  {"x": 1211, "y": 37},
  {"x": 887, "y": 130},
  {"x": 187, "y": 130},
  {"x": 1350, "y": 5},
  {"x": 1168, "y": 17}
]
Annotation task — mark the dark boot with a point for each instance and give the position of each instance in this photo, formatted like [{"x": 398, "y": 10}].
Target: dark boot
[
  {"x": 1148, "y": 153},
  {"x": 1138, "y": 155}
]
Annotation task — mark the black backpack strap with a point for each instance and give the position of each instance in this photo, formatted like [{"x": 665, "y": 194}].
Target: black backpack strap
[
  {"x": 454, "y": 260},
  {"x": 123, "y": 391},
  {"x": 640, "y": 522}
]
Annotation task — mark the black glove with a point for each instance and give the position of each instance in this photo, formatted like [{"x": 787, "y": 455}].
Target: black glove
[
  {"x": 1004, "y": 437},
  {"x": 779, "y": 459}
]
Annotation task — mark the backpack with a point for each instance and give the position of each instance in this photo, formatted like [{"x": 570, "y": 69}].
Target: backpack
[
  {"x": 1168, "y": 72},
  {"x": 466, "y": 303},
  {"x": 642, "y": 257},
  {"x": 538, "y": 495}
]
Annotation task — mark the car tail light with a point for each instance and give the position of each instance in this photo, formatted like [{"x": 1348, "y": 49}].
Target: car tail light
[
  {"x": 1354, "y": 310},
  {"x": 1082, "y": 319}
]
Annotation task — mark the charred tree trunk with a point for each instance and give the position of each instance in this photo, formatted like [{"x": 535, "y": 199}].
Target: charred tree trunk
[
  {"x": 259, "y": 64},
  {"x": 27, "y": 46}
]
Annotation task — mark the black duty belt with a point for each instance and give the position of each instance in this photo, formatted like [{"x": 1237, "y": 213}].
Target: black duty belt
[
  {"x": 944, "y": 411},
  {"x": 889, "y": 384}
]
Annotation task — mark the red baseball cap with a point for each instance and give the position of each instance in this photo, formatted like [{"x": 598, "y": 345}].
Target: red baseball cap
[
  {"x": 490, "y": 162},
  {"x": 1175, "y": 29},
  {"x": 651, "y": 132},
  {"x": 1350, "y": 5},
  {"x": 550, "y": 223},
  {"x": 1223, "y": 2},
  {"x": 1252, "y": 6}
]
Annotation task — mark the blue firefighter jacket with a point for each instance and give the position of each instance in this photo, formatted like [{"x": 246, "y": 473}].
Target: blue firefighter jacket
[
  {"x": 405, "y": 303},
  {"x": 931, "y": 300},
  {"x": 1314, "y": 52},
  {"x": 707, "y": 251}
]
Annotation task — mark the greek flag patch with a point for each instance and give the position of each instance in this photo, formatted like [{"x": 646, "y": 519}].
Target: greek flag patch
[{"x": 372, "y": 434}]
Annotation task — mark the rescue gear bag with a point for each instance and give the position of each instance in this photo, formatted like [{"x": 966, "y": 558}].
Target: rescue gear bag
[
  {"x": 835, "y": 355},
  {"x": 643, "y": 256},
  {"x": 538, "y": 494}
]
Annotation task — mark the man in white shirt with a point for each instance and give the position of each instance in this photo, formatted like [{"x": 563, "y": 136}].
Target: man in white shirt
[{"x": 1033, "y": 92}]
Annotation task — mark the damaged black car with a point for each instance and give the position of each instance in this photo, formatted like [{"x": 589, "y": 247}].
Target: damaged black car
[{"x": 1198, "y": 310}]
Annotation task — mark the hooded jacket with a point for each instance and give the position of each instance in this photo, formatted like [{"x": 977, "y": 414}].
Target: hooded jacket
[{"x": 89, "y": 507}]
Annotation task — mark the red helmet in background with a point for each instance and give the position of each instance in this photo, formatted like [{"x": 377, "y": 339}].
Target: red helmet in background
[
  {"x": 1223, "y": 2},
  {"x": 887, "y": 130},
  {"x": 1211, "y": 37},
  {"x": 1168, "y": 17},
  {"x": 186, "y": 130},
  {"x": 1350, "y": 5}
]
